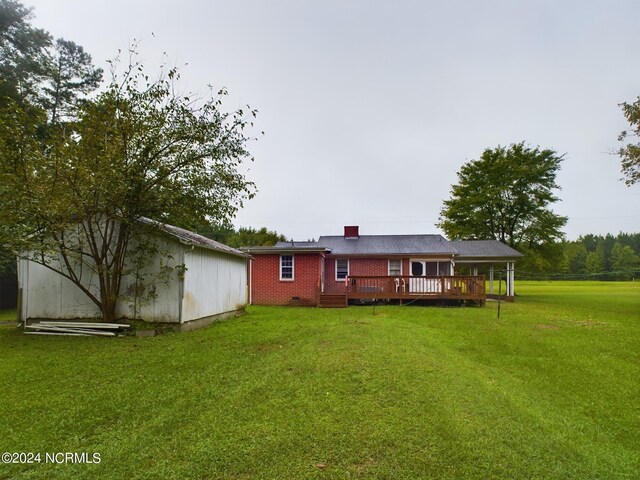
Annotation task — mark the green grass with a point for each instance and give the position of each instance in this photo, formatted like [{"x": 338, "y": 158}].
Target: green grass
[
  {"x": 8, "y": 315},
  {"x": 549, "y": 391}
]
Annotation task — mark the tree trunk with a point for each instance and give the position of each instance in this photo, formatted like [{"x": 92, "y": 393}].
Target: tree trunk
[{"x": 108, "y": 306}]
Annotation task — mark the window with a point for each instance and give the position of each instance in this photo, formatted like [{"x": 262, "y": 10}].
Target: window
[
  {"x": 286, "y": 267},
  {"x": 395, "y": 267},
  {"x": 342, "y": 268},
  {"x": 421, "y": 268},
  {"x": 444, "y": 268},
  {"x": 417, "y": 269},
  {"x": 432, "y": 268}
]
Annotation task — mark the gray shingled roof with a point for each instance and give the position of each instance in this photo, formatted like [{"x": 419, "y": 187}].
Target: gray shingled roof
[
  {"x": 398, "y": 245},
  {"x": 484, "y": 249},
  {"x": 298, "y": 245},
  {"x": 191, "y": 238},
  {"x": 287, "y": 247},
  {"x": 388, "y": 245}
]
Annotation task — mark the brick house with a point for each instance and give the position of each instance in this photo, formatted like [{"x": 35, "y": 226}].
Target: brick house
[{"x": 336, "y": 269}]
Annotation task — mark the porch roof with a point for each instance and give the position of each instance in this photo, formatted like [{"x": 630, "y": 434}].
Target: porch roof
[{"x": 484, "y": 250}]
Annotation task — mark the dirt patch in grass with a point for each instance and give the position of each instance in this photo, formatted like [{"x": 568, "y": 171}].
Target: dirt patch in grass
[
  {"x": 269, "y": 347},
  {"x": 577, "y": 323},
  {"x": 364, "y": 467},
  {"x": 359, "y": 322},
  {"x": 586, "y": 323},
  {"x": 542, "y": 326}
]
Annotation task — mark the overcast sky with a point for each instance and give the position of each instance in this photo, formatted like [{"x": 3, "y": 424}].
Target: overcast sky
[{"x": 371, "y": 107}]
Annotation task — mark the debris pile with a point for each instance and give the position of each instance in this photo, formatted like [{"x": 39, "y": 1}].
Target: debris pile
[{"x": 77, "y": 329}]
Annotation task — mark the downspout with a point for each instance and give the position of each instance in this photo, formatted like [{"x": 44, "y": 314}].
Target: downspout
[
  {"x": 250, "y": 262},
  {"x": 25, "y": 292},
  {"x": 23, "y": 279}
]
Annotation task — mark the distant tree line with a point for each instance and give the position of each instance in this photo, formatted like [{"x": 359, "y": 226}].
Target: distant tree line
[
  {"x": 243, "y": 237},
  {"x": 595, "y": 257}
]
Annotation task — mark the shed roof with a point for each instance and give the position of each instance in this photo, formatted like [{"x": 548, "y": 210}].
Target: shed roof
[{"x": 191, "y": 238}]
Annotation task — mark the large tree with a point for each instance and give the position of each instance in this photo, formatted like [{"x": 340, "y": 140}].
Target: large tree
[
  {"x": 630, "y": 152},
  {"x": 23, "y": 52},
  {"x": 138, "y": 149},
  {"x": 623, "y": 261},
  {"x": 34, "y": 68},
  {"x": 70, "y": 74},
  {"x": 505, "y": 195},
  {"x": 36, "y": 74}
]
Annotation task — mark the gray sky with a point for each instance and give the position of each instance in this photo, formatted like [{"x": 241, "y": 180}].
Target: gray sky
[{"x": 371, "y": 107}]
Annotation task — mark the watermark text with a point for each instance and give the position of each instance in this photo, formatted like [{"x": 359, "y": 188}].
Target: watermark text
[{"x": 51, "y": 457}]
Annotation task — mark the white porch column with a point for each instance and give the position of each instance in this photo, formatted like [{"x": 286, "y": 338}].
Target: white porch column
[
  {"x": 491, "y": 279},
  {"x": 506, "y": 278},
  {"x": 513, "y": 279},
  {"x": 510, "y": 275}
]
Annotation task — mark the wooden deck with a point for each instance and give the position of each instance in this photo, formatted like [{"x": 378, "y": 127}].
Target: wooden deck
[
  {"x": 453, "y": 287},
  {"x": 332, "y": 301}
]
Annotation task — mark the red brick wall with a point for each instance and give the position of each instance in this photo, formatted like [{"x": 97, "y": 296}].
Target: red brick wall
[
  {"x": 268, "y": 289},
  {"x": 357, "y": 266}
]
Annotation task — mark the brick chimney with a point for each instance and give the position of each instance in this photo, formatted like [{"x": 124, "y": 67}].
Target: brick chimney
[{"x": 351, "y": 232}]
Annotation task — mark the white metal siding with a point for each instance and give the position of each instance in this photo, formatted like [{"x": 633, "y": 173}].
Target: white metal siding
[
  {"x": 214, "y": 283},
  {"x": 164, "y": 306},
  {"x": 46, "y": 294}
]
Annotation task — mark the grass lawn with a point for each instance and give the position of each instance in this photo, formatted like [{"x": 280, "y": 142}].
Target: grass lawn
[
  {"x": 8, "y": 315},
  {"x": 549, "y": 391}
]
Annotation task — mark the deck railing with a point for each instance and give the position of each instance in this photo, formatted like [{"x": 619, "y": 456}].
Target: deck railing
[{"x": 401, "y": 286}]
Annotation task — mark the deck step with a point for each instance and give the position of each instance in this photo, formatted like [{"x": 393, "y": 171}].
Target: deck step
[{"x": 333, "y": 301}]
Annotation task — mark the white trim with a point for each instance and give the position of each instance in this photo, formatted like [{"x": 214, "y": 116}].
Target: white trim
[
  {"x": 437, "y": 262},
  {"x": 336, "y": 268},
  {"x": 480, "y": 260},
  {"x": 430, "y": 259},
  {"x": 293, "y": 268},
  {"x": 250, "y": 281}
]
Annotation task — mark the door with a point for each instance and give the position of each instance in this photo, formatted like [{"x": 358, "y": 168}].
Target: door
[
  {"x": 424, "y": 278},
  {"x": 418, "y": 282}
]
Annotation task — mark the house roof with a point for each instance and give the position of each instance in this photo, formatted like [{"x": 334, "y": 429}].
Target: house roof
[
  {"x": 432, "y": 244},
  {"x": 191, "y": 238},
  {"x": 388, "y": 245},
  {"x": 289, "y": 247},
  {"x": 479, "y": 249}
]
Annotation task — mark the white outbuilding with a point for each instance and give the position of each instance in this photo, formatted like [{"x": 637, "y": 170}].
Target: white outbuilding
[{"x": 209, "y": 284}]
